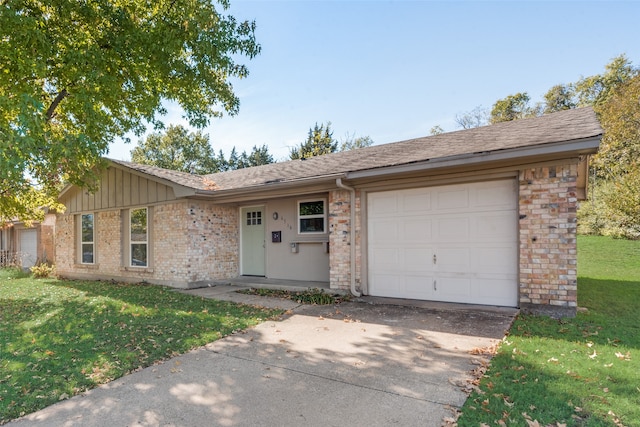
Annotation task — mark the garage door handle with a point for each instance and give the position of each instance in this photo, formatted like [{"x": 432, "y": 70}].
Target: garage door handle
[
  {"x": 435, "y": 286},
  {"x": 435, "y": 258}
]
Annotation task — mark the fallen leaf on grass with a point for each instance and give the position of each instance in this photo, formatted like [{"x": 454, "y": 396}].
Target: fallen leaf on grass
[
  {"x": 594, "y": 355},
  {"x": 623, "y": 356}
]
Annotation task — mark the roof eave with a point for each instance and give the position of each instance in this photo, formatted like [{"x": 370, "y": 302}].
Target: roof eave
[
  {"x": 272, "y": 189},
  {"x": 560, "y": 149}
]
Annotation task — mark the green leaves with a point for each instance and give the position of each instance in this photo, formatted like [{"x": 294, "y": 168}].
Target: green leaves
[
  {"x": 177, "y": 149},
  {"x": 319, "y": 141},
  {"x": 65, "y": 95}
]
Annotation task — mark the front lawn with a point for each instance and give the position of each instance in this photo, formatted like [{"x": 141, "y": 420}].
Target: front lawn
[
  {"x": 59, "y": 338},
  {"x": 575, "y": 372}
]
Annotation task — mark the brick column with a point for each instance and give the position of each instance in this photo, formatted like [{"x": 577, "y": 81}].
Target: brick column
[
  {"x": 339, "y": 239},
  {"x": 548, "y": 275}
]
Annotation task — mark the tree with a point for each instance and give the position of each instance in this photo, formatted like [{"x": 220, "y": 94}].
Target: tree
[
  {"x": 319, "y": 141},
  {"x": 513, "y": 107},
  {"x": 560, "y": 97},
  {"x": 351, "y": 142},
  {"x": 258, "y": 156},
  {"x": 596, "y": 90},
  {"x": 620, "y": 118},
  {"x": 76, "y": 75},
  {"x": 177, "y": 149},
  {"x": 436, "y": 130},
  {"x": 477, "y": 117}
]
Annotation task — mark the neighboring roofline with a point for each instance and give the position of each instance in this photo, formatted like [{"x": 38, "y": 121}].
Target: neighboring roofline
[{"x": 577, "y": 147}]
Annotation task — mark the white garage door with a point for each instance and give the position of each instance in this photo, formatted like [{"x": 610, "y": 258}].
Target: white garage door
[
  {"x": 28, "y": 248},
  {"x": 454, "y": 243}
]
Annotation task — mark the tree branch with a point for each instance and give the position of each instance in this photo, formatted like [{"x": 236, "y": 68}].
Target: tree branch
[{"x": 51, "y": 110}]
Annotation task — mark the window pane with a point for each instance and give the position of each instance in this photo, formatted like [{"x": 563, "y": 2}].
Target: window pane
[
  {"x": 87, "y": 228},
  {"x": 139, "y": 225},
  {"x": 87, "y": 253},
  {"x": 312, "y": 208},
  {"x": 139, "y": 254},
  {"x": 311, "y": 225}
]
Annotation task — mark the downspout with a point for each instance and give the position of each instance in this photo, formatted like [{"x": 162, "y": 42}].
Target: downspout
[{"x": 352, "y": 234}]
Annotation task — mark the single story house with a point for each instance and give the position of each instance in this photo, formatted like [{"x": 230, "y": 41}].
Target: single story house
[
  {"x": 25, "y": 245},
  {"x": 483, "y": 216}
]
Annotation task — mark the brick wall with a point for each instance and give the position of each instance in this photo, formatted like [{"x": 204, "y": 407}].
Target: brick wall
[
  {"x": 340, "y": 239},
  {"x": 191, "y": 241},
  {"x": 547, "y": 208},
  {"x": 213, "y": 242}
]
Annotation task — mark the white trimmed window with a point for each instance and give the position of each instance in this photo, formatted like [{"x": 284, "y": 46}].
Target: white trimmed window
[
  {"x": 138, "y": 237},
  {"x": 87, "y": 239},
  {"x": 312, "y": 216}
]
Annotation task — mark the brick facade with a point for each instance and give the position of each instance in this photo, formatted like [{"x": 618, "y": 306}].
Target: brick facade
[
  {"x": 190, "y": 241},
  {"x": 548, "y": 268},
  {"x": 340, "y": 239}
]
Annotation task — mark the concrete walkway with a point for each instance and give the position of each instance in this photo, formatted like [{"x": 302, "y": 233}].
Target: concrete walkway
[{"x": 356, "y": 364}]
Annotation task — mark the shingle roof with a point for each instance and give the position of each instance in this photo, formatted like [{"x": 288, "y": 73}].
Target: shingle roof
[
  {"x": 176, "y": 177},
  {"x": 564, "y": 126}
]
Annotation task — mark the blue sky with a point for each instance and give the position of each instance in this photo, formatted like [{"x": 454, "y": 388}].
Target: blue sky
[{"x": 392, "y": 70}]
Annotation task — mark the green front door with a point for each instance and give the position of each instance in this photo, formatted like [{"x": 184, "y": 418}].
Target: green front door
[{"x": 253, "y": 243}]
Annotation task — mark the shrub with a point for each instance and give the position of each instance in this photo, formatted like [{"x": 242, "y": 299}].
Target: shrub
[{"x": 43, "y": 270}]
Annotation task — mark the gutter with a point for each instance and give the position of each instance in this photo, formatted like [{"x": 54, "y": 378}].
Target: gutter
[
  {"x": 276, "y": 185},
  {"x": 352, "y": 235}
]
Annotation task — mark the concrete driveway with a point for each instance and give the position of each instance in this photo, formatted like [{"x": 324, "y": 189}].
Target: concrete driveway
[{"x": 355, "y": 364}]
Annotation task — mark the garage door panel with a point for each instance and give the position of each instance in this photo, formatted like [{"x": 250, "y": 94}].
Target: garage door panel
[
  {"x": 496, "y": 195},
  {"x": 497, "y": 259},
  {"x": 453, "y": 289},
  {"x": 472, "y": 230},
  {"x": 385, "y": 231},
  {"x": 415, "y": 286},
  {"x": 452, "y": 259},
  {"x": 383, "y": 204},
  {"x": 497, "y": 226},
  {"x": 418, "y": 259},
  {"x": 452, "y": 198},
  {"x": 420, "y": 287},
  {"x": 452, "y": 229},
  {"x": 386, "y": 258},
  {"x": 387, "y": 285},
  {"x": 415, "y": 230},
  {"x": 494, "y": 292},
  {"x": 418, "y": 201}
]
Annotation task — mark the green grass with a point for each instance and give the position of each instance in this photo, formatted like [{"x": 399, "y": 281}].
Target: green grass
[
  {"x": 577, "y": 372},
  {"x": 59, "y": 338}
]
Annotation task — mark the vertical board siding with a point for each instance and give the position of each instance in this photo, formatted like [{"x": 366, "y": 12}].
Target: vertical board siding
[
  {"x": 118, "y": 189},
  {"x": 119, "y": 192}
]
